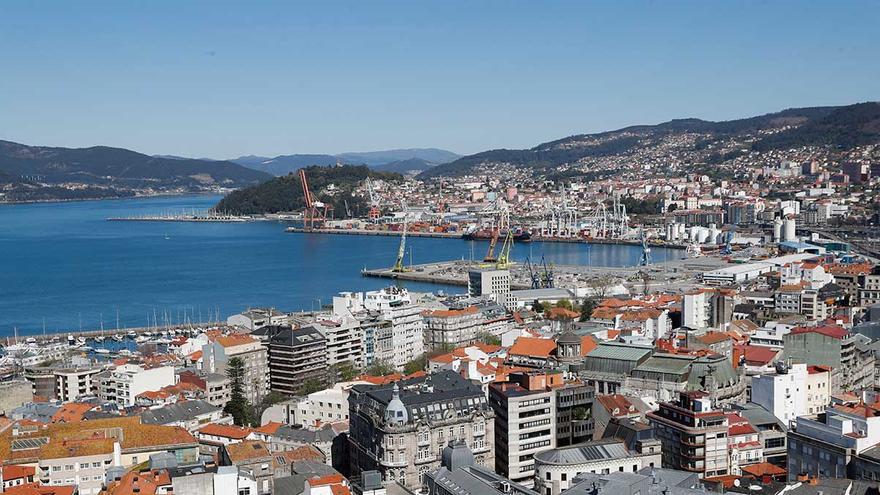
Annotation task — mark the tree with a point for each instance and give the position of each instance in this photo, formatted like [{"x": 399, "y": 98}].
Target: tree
[
  {"x": 380, "y": 368},
  {"x": 587, "y": 307},
  {"x": 310, "y": 386},
  {"x": 238, "y": 406},
  {"x": 343, "y": 371},
  {"x": 417, "y": 364},
  {"x": 488, "y": 338},
  {"x": 563, "y": 303}
]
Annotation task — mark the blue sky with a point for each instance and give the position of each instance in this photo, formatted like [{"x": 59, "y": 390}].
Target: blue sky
[{"x": 222, "y": 79}]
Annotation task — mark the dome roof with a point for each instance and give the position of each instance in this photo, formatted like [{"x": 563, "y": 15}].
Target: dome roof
[
  {"x": 395, "y": 411},
  {"x": 568, "y": 337}
]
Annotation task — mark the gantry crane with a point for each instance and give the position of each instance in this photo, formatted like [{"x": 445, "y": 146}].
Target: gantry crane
[
  {"x": 374, "y": 202},
  {"x": 315, "y": 211},
  {"x": 401, "y": 250}
]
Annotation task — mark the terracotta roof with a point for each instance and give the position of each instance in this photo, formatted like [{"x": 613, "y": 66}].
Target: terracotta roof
[
  {"x": 15, "y": 472},
  {"x": 449, "y": 313},
  {"x": 756, "y": 355},
  {"x": 234, "y": 339},
  {"x": 247, "y": 450},
  {"x": 269, "y": 428},
  {"x": 529, "y": 346},
  {"x": 562, "y": 314},
  {"x": 304, "y": 453},
  {"x": 140, "y": 483},
  {"x": 833, "y": 331},
  {"x": 818, "y": 369},
  {"x": 709, "y": 338},
  {"x": 37, "y": 489},
  {"x": 588, "y": 345},
  {"x": 616, "y": 401},
  {"x": 225, "y": 431},
  {"x": 763, "y": 469},
  {"x": 71, "y": 411}
]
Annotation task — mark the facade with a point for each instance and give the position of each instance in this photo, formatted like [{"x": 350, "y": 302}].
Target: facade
[
  {"x": 123, "y": 384},
  {"x": 525, "y": 422},
  {"x": 254, "y": 457},
  {"x": 325, "y": 406},
  {"x": 400, "y": 429},
  {"x": 254, "y": 355},
  {"x": 345, "y": 340},
  {"x": 402, "y": 340},
  {"x": 851, "y": 362},
  {"x": 452, "y": 327},
  {"x": 574, "y": 423},
  {"x": 295, "y": 356},
  {"x": 556, "y": 470},
  {"x": 72, "y": 383},
  {"x": 190, "y": 415},
  {"x": 693, "y": 435},
  {"x": 493, "y": 283}
]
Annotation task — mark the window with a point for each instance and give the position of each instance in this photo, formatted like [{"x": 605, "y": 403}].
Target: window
[
  {"x": 548, "y": 476},
  {"x": 563, "y": 477},
  {"x": 96, "y": 464},
  {"x": 68, "y": 467},
  {"x": 84, "y": 465},
  {"x": 244, "y": 491}
]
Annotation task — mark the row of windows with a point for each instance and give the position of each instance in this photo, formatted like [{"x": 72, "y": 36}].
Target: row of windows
[{"x": 77, "y": 467}]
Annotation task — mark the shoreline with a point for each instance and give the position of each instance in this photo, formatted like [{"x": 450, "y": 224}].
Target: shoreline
[{"x": 115, "y": 198}]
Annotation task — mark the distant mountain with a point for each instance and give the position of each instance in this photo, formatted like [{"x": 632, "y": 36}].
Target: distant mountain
[
  {"x": 285, "y": 193},
  {"x": 374, "y": 158},
  {"x": 285, "y": 164},
  {"x": 116, "y": 169},
  {"x": 845, "y": 127},
  {"x": 411, "y": 166}
]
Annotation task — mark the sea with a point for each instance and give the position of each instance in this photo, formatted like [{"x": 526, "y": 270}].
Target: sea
[{"x": 65, "y": 267}]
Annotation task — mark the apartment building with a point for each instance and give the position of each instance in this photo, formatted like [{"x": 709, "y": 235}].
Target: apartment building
[
  {"x": 80, "y": 453},
  {"x": 402, "y": 340},
  {"x": 325, "y": 406},
  {"x": 525, "y": 422},
  {"x": 851, "y": 362},
  {"x": 452, "y": 327},
  {"x": 693, "y": 435},
  {"x": 491, "y": 282},
  {"x": 400, "y": 429},
  {"x": 295, "y": 356},
  {"x": 123, "y": 384},
  {"x": 345, "y": 340},
  {"x": 255, "y": 356},
  {"x": 73, "y": 383},
  {"x": 792, "y": 390}
]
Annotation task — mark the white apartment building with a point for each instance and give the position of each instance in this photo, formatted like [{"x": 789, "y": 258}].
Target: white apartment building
[
  {"x": 452, "y": 327},
  {"x": 694, "y": 310},
  {"x": 403, "y": 341},
  {"x": 254, "y": 355},
  {"x": 345, "y": 339},
  {"x": 70, "y": 384},
  {"x": 123, "y": 384},
  {"x": 792, "y": 391},
  {"x": 325, "y": 406}
]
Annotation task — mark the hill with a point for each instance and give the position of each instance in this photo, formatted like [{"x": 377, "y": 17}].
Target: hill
[
  {"x": 696, "y": 139},
  {"x": 285, "y": 164},
  {"x": 413, "y": 165},
  {"x": 118, "y": 168},
  {"x": 285, "y": 193}
]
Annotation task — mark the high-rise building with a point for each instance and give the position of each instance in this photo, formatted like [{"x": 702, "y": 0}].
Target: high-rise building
[
  {"x": 452, "y": 327},
  {"x": 296, "y": 355},
  {"x": 525, "y": 422},
  {"x": 491, "y": 282},
  {"x": 253, "y": 354}
]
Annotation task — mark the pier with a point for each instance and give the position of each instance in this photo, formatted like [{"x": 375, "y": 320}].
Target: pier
[
  {"x": 394, "y": 233},
  {"x": 108, "y": 333}
]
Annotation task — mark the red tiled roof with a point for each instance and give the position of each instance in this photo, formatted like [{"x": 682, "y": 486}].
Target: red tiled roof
[
  {"x": 763, "y": 469},
  {"x": 225, "y": 431},
  {"x": 528, "y": 346},
  {"x": 756, "y": 355},
  {"x": 15, "y": 472},
  {"x": 833, "y": 331},
  {"x": 37, "y": 489}
]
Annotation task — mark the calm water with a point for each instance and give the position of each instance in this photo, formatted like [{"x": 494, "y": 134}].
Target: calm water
[{"x": 63, "y": 266}]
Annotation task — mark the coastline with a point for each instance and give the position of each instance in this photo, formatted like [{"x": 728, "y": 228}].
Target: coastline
[{"x": 114, "y": 198}]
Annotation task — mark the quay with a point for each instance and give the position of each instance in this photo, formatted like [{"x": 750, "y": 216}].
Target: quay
[
  {"x": 187, "y": 218},
  {"x": 395, "y": 233}
]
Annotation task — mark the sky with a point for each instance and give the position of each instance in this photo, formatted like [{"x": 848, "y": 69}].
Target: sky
[{"x": 223, "y": 79}]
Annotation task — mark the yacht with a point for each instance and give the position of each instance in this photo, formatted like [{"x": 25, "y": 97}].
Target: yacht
[
  {"x": 132, "y": 334},
  {"x": 118, "y": 337},
  {"x": 101, "y": 350}
]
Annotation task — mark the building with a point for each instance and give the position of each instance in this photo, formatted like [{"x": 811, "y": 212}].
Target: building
[
  {"x": 493, "y": 283},
  {"x": 693, "y": 435},
  {"x": 345, "y": 340},
  {"x": 574, "y": 424},
  {"x": 403, "y": 339},
  {"x": 828, "y": 444},
  {"x": 124, "y": 383},
  {"x": 792, "y": 391},
  {"x": 217, "y": 387},
  {"x": 81, "y": 453},
  {"x": 458, "y": 475},
  {"x": 252, "y": 456},
  {"x": 400, "y": 429},
  {"x": 452, "y": 327},
  {"x": 296, "y": 355},
  {"x": 190, "y": 415},
  {"x": 252, "y": 353},
  {"x": 557, "y": 469},
  {"x": 254, "y": 319},
  {"x": 73, "y": 383},
  {"x": 525, "y": 422},
  {"x": 648, "y": 481},
  {"x": 325, "y": 406},
  {"x": 851, "y": 362}
]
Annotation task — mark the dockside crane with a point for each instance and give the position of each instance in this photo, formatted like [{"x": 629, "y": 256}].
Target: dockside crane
[
  {"x": 547, "y": 277},
  {"x": 375, "y": 212},
  {"x": 504, "y": 257},
  {"x": 401, "y": 250},
  {"x": 315, "y": 211},
  {"x": 645, "y": 259},
  {"x": 533, "y": 274}
]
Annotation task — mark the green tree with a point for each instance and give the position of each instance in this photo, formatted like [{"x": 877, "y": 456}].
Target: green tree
[
  {"x": 587, "y": 307},
  {"x": 488, "y": 338},
  {"x": 238, "y": 406},
  {"x": 343, "y": 371},
  {"x": 380, "y": 368},
  {"x": 311, "y": 385},
  {"x": 417, "y": 364},
  {"x": 564, "y": 303}
]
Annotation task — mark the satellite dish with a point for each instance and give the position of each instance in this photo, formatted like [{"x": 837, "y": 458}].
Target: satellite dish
[{"x": 736, "y": 482}]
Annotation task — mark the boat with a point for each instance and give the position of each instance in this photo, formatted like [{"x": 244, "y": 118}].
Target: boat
[
  {"x": 101, "y": 350},
  {"x": 125, "y": 352},
  {"x": 141, "y": 339},
  {"x": 131, "y": 334},
  {"x": 86, "y": 348},
  {"x": 99, "y": 338},
  {"x": 81, "y": 341},
  {"x": 118, "y": 337},
  {"x": 518, "y": 235},
  {"x": 31, "y": 340},
  {"x": 71, "y": 340}
]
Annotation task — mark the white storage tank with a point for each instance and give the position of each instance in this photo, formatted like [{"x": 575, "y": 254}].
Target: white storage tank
[
  {"x": 788, "y": 230},
  {"x": 777, "y": 230}
]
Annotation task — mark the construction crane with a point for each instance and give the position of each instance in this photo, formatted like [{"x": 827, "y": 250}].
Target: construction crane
[
  {"x": 401, "y": 250},
  {"x": 547, "y": 277},
  {"x": 315, "y": 211},
  {"x": 374, "y": 202},
  {"x": 500, "y": 215}
]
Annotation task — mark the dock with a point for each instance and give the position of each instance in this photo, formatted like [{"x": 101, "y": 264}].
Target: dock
[
  {"x": 392, "y": 233},
  {"x": 108, "y": 333},
  {"x": 187, "y": 218}
]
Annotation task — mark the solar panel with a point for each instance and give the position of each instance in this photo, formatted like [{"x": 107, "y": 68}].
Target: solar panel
[{"x": 29, "y": 443}]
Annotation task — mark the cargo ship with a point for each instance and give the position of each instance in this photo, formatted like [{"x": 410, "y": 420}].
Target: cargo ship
[{"x": 519, "y": 235}]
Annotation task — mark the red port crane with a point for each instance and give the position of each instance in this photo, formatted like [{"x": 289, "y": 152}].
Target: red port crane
[{"x": 315, "y": 211}]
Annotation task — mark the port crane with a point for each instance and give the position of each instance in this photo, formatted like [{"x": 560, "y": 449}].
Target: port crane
[
  {"x": 401, "y": 250},
  {"x": 645, "y": 259},
  {"x": 500, "y": 215},
  {"x": 315, "y": 211},
  {"x": 374, "y": 202}
]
